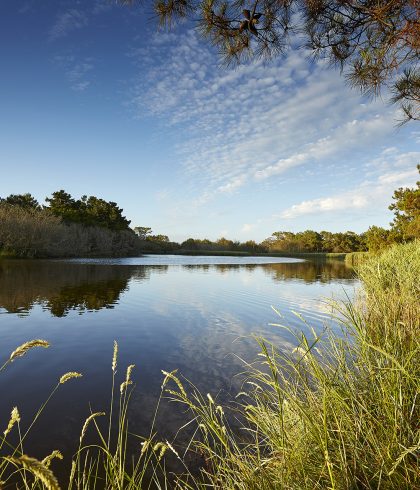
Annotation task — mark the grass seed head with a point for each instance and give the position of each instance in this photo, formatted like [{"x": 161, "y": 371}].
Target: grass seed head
[
  {"x": 23, "y": 349},
  {"x": 127, "y": 381},
  {"x": 68, "y": 376},
  {"x": 129, "y": 370},
  {"x": 124, "y": 386},
  {"x": 55, "y": 454},
  {"x": 38, "y": 469},
  {"x": 87, "y": 422},
  {"x": 145, "y": 446},
  {"x": 14, "y": 419},
  {"x": 114, "y": 357}
]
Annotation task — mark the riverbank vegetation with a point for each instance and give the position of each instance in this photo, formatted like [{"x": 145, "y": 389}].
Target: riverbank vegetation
[
  {"x": 67, "y": 227},
  {"x": 90, "y": 226},
  {"x": 339, "y": 410}
]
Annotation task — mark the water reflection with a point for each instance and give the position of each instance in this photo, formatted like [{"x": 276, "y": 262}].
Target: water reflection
[
  {"x": 61, "y": 287},
  {"x": 197, "y": 318},
  {"x": 311, "y": 271}
]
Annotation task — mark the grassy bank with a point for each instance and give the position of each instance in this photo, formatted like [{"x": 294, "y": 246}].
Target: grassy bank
[
  {"x": 307, "y": 255},
  {"x": 338, "y": 411},
  {"x": 355, "y": 259}
]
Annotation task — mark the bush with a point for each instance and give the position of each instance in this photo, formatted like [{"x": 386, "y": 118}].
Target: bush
[{"x": 26, "y": 232}]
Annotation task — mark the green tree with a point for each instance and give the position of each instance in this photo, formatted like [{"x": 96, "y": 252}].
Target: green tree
[
  {"x": 378, "y": 238},
  {"x": 251, "y": 246},
  {"x": 90, "y": 211},
  {"x": 281, "y": 241},
  {"x": 328, "y": 241},
  {"x": 63, "y": 205},
  {"x": 26, "y": 201},
  {"x": 158, "y": 238},
  {"x": 309, "y": 240},
  {"x": 224, "y": 244},
  {"x": 99, "y": 212},
  {"x": 374, "y": 42},
  {"x": 142, "y": 232},
  {"x": 407, "y": 212},
  {"x": 190, "y": 244}
]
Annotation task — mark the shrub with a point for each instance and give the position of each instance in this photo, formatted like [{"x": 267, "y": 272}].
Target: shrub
[{"x": 28, "y": 232}]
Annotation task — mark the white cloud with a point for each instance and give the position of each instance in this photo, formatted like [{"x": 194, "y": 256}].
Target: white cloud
[
  {"x": 66, "y": 22},
  {"x": 247, "y": 227},
  {"x": 370, "y": 193},
  {"x": 347, "y": 200},
  {"x": 77, "y": 72},
  {"x": 101, "y": 6},
  {"x": 80, "y": 86},
  {"x": 246, "y": 125}
]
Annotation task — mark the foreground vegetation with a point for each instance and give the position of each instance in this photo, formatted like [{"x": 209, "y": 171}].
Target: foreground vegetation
[{"x": 340, "y": 411}]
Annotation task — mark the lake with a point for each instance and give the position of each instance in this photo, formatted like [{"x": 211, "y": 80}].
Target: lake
[{"x": 194, "y": 314}]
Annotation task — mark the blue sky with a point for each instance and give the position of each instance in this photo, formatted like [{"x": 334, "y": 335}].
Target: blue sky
[{"x": 95, "y": 100}]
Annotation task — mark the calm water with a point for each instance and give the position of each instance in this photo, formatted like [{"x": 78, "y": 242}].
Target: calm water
[{"x": 194, "y": 314}]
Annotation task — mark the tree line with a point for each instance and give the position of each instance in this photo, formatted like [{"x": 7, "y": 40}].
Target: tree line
[
  {"x": 66, "y": 226},
  {"x": 404, "y": 228}
]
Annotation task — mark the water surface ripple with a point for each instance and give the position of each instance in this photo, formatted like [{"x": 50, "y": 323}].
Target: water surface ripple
[{"x": 194, "y": 314}]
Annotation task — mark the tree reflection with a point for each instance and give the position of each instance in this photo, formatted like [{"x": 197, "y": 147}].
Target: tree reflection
[
  {"x": 61, "y": 287},
  {"x": 308, "y": 271},
  {"x": 311, "y": 271}
]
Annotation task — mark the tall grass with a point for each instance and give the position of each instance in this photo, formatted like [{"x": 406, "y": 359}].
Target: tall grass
[
  {"x": 102, "y": 463},
  {"x": 355, "y": 259},
  {"x": 340, "y": 411}
]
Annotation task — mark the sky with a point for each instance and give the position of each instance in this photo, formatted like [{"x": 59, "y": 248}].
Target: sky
[{"x": 96, "y": 100}]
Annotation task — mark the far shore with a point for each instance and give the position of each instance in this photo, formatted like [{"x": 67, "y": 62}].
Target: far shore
[{"x": 350, "y": 258}]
